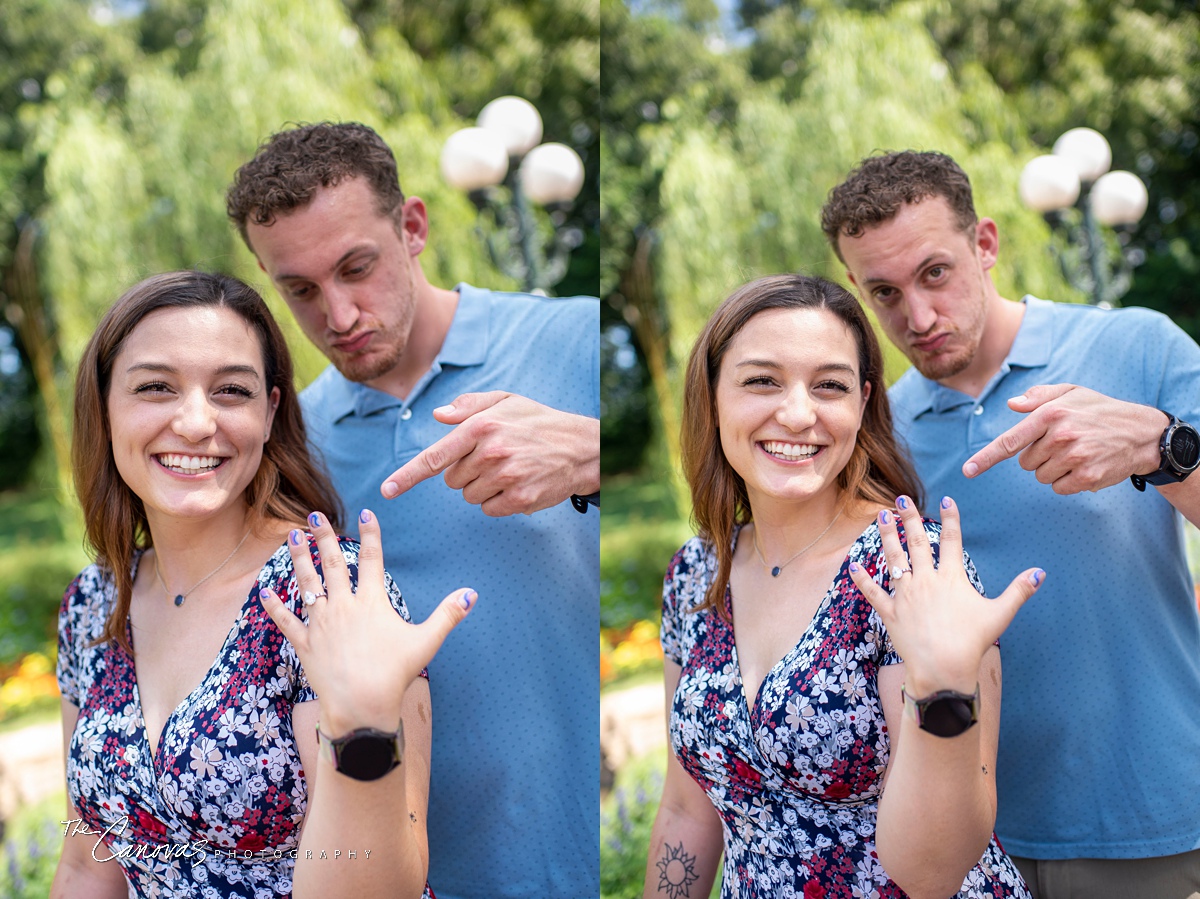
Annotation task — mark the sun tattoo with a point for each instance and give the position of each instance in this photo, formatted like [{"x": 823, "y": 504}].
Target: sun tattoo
[{"x": 677, "y": 871}]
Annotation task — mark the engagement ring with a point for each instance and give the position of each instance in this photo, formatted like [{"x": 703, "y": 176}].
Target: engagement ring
[
  {"x": 310, "y": 597},
  {"x": 898, "y": 571}
]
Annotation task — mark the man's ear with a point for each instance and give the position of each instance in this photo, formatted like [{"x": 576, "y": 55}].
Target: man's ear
[
  {"x": 414, "y": 225},
  {"x": 987, "y": 242}
]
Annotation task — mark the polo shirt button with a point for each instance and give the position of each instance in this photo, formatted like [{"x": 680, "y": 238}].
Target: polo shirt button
[
  {"x": 406, "y": 415},
  {"x": 978, "y": 410}
]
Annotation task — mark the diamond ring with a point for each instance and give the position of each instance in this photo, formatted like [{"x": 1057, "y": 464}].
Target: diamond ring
[
  {"x": 898, "y": 571},
  {"x": 310, "y": 598}
]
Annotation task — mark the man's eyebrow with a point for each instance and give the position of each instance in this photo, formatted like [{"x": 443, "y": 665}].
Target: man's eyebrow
[
  {"x": 353, "y": 251},
  {"x": 920, "y": 265}
]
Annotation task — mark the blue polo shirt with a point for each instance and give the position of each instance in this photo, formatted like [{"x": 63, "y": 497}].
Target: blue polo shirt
[
  {"x": 513, "y": 810},
  {"x": 1100, "y": 730}
]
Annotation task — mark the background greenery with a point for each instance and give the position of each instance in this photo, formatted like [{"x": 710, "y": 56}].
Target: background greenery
[{"x": 723, "y": 128}]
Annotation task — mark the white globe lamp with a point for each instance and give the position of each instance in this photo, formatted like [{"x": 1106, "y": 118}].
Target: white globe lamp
[{"x": 474, "y": 158}]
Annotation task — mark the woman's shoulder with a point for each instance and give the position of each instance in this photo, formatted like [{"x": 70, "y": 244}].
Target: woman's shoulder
[{"x": 91, "y": 588}]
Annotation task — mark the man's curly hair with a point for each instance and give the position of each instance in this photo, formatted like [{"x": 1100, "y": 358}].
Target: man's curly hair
[
  {"x": 290, "y": 166},
  {"x": 874, "y": 192}
]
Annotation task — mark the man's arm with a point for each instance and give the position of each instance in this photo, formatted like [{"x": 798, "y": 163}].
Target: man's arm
[
  {"x": 507, "y": 454},
  {"x": 1075, "y": 439}
]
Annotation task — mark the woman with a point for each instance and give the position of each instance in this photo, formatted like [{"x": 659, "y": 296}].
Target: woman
[
  {"x": 785, "y": 652},
  {"x": 193, "y": 777}
]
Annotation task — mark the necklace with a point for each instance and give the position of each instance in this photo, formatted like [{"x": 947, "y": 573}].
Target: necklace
[
  {"x": 778, "y": 568},
  {"x": 180, "y": 597}
]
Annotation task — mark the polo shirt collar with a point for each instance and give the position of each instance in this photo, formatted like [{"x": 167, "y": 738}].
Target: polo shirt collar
[
  {"x": 1030, "y": 349},
  {"x": 466, "y": 344}
]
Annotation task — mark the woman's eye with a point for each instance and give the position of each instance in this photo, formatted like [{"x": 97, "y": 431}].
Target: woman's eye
[
  {"x": 151, "y": 387},
  {"x": 837, "y": 386},
  {"x": 758, "y": 381},
  {"x": 235, "y": 390}
]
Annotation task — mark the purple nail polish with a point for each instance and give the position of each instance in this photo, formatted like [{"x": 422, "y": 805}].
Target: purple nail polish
[
  {"x": 946, "y": 502},
  {"x": 1037, "y": 576},
  {"x": 885, "y": 517},
  {"x": 469, "y": 598},
  {"x": 902, "y": 502},
  {"x": 294, "y": 536},
  {"x": 854, "y": 566},
  {"x": 364, "y": 516},
  {"x": 315, "y": 519}
]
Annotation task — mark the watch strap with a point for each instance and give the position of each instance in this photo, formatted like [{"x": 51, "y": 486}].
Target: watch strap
[
  {"x": 581, "y": 503},
  {"x": 1169, "y": 470}
]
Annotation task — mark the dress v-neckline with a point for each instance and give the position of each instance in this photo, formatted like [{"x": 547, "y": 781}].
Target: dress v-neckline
[
  {"x": 155, "y": 749},
  {"x": 751, "y": 703}
]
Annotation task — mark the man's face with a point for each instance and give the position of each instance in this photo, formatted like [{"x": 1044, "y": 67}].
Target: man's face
[
  {"x": 926, "y": 280},
  {"x": 347, "y": 275}
]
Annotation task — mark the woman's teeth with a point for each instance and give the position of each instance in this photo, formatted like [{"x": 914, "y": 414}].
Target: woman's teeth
[
  {"x": 790, "y": 451},
  {"x": 188, "y": 464}
]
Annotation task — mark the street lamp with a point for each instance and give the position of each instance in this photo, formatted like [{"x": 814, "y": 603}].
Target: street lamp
[
  {"x": 503, "y": 149},
  {"x": 1076, "y": 193}
]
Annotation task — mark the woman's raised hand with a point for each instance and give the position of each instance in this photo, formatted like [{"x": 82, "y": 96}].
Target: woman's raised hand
[
  {"x": 358, "y": 653},
  {"x": 938, "y": 622}
]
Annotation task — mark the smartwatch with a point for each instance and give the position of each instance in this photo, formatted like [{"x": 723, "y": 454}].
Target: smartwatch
[
  {"x": 581, "y": 503},
  {"x": 364, "y": 754},
  {"x": 946, "y": 713},
  {"x": 1179, "y": 455}
]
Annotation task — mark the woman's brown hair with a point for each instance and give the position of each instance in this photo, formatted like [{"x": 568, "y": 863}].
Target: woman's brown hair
[
  {"x": 288, "y": 484},
  {"x": 878, "y": 470}
]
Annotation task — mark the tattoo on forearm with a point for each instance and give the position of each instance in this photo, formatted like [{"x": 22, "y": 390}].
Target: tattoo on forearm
[{"x": 677, "y": 871}]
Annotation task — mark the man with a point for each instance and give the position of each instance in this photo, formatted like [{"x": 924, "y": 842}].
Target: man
[
  {"x": 1100, "y": 736},
  {"x": 499, "y": 393}
]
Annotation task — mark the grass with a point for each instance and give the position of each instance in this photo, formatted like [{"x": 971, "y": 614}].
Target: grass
[
  {"x": 640, "y": 530},
  {"x": 32, "y": 845}
]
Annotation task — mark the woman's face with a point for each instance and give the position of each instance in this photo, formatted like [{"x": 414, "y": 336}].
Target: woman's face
[
  {"x": 189, "y": 410},
  {"x": 789, "y": 403}
]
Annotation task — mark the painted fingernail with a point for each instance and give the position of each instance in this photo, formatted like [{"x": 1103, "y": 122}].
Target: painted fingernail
[
  {"x": 390, "y": 489},
  {"x": 971, "y": 469},
  {"x": 267, "y": 592},
  {"x": 294, "y": 536},
  {"x": 947, "y": 502},
  {"x": 1036, "y": 577},
  {"x": 885, "y": 517},
  {"x": 902, "y": 502},
  {"x": 468, "y": 598},
  {"x": 364, "y": 516},
  {"x": 315, "y": 519},
  {"x": 854, "y": 566}
]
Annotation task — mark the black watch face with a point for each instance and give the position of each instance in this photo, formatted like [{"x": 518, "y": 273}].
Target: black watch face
[
  {"x": 947, "y": 717},
  {"x": 1185, "y": 448},
  {"x": 367, "y": 758}
]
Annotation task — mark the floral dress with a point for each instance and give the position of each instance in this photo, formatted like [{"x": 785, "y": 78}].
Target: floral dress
[
  {"x": 795, "y": 778},
  {"x": 216, "y": 813}
]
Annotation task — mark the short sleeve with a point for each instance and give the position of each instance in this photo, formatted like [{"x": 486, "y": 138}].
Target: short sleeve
[
  {"x": 66, "y": 668},
  {"x": 684, "y": 587}
]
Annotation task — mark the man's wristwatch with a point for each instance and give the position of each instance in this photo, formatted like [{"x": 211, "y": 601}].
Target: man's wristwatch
[
  {"x": 364, "y": 754},
  {"x": 946, "y": 713},
  {"x": 1179, "y": 452},
  {"x": 581, "y": 503}
]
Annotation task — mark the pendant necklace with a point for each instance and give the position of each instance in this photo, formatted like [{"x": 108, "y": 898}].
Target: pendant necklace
[
  {"x": 778, "y": 568},
  {"x": 180, "y": 597}
]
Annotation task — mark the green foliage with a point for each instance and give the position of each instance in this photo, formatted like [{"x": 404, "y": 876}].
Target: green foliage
[
  {"x": 29, "y": 855},
  {"x": 35, "y": 569},
  {"x": 640, "y": 531}
]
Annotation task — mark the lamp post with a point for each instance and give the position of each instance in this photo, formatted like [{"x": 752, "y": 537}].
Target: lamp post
[
  {"x": 1075, "y": 191},
  {"x": 504, "y": 149}
]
